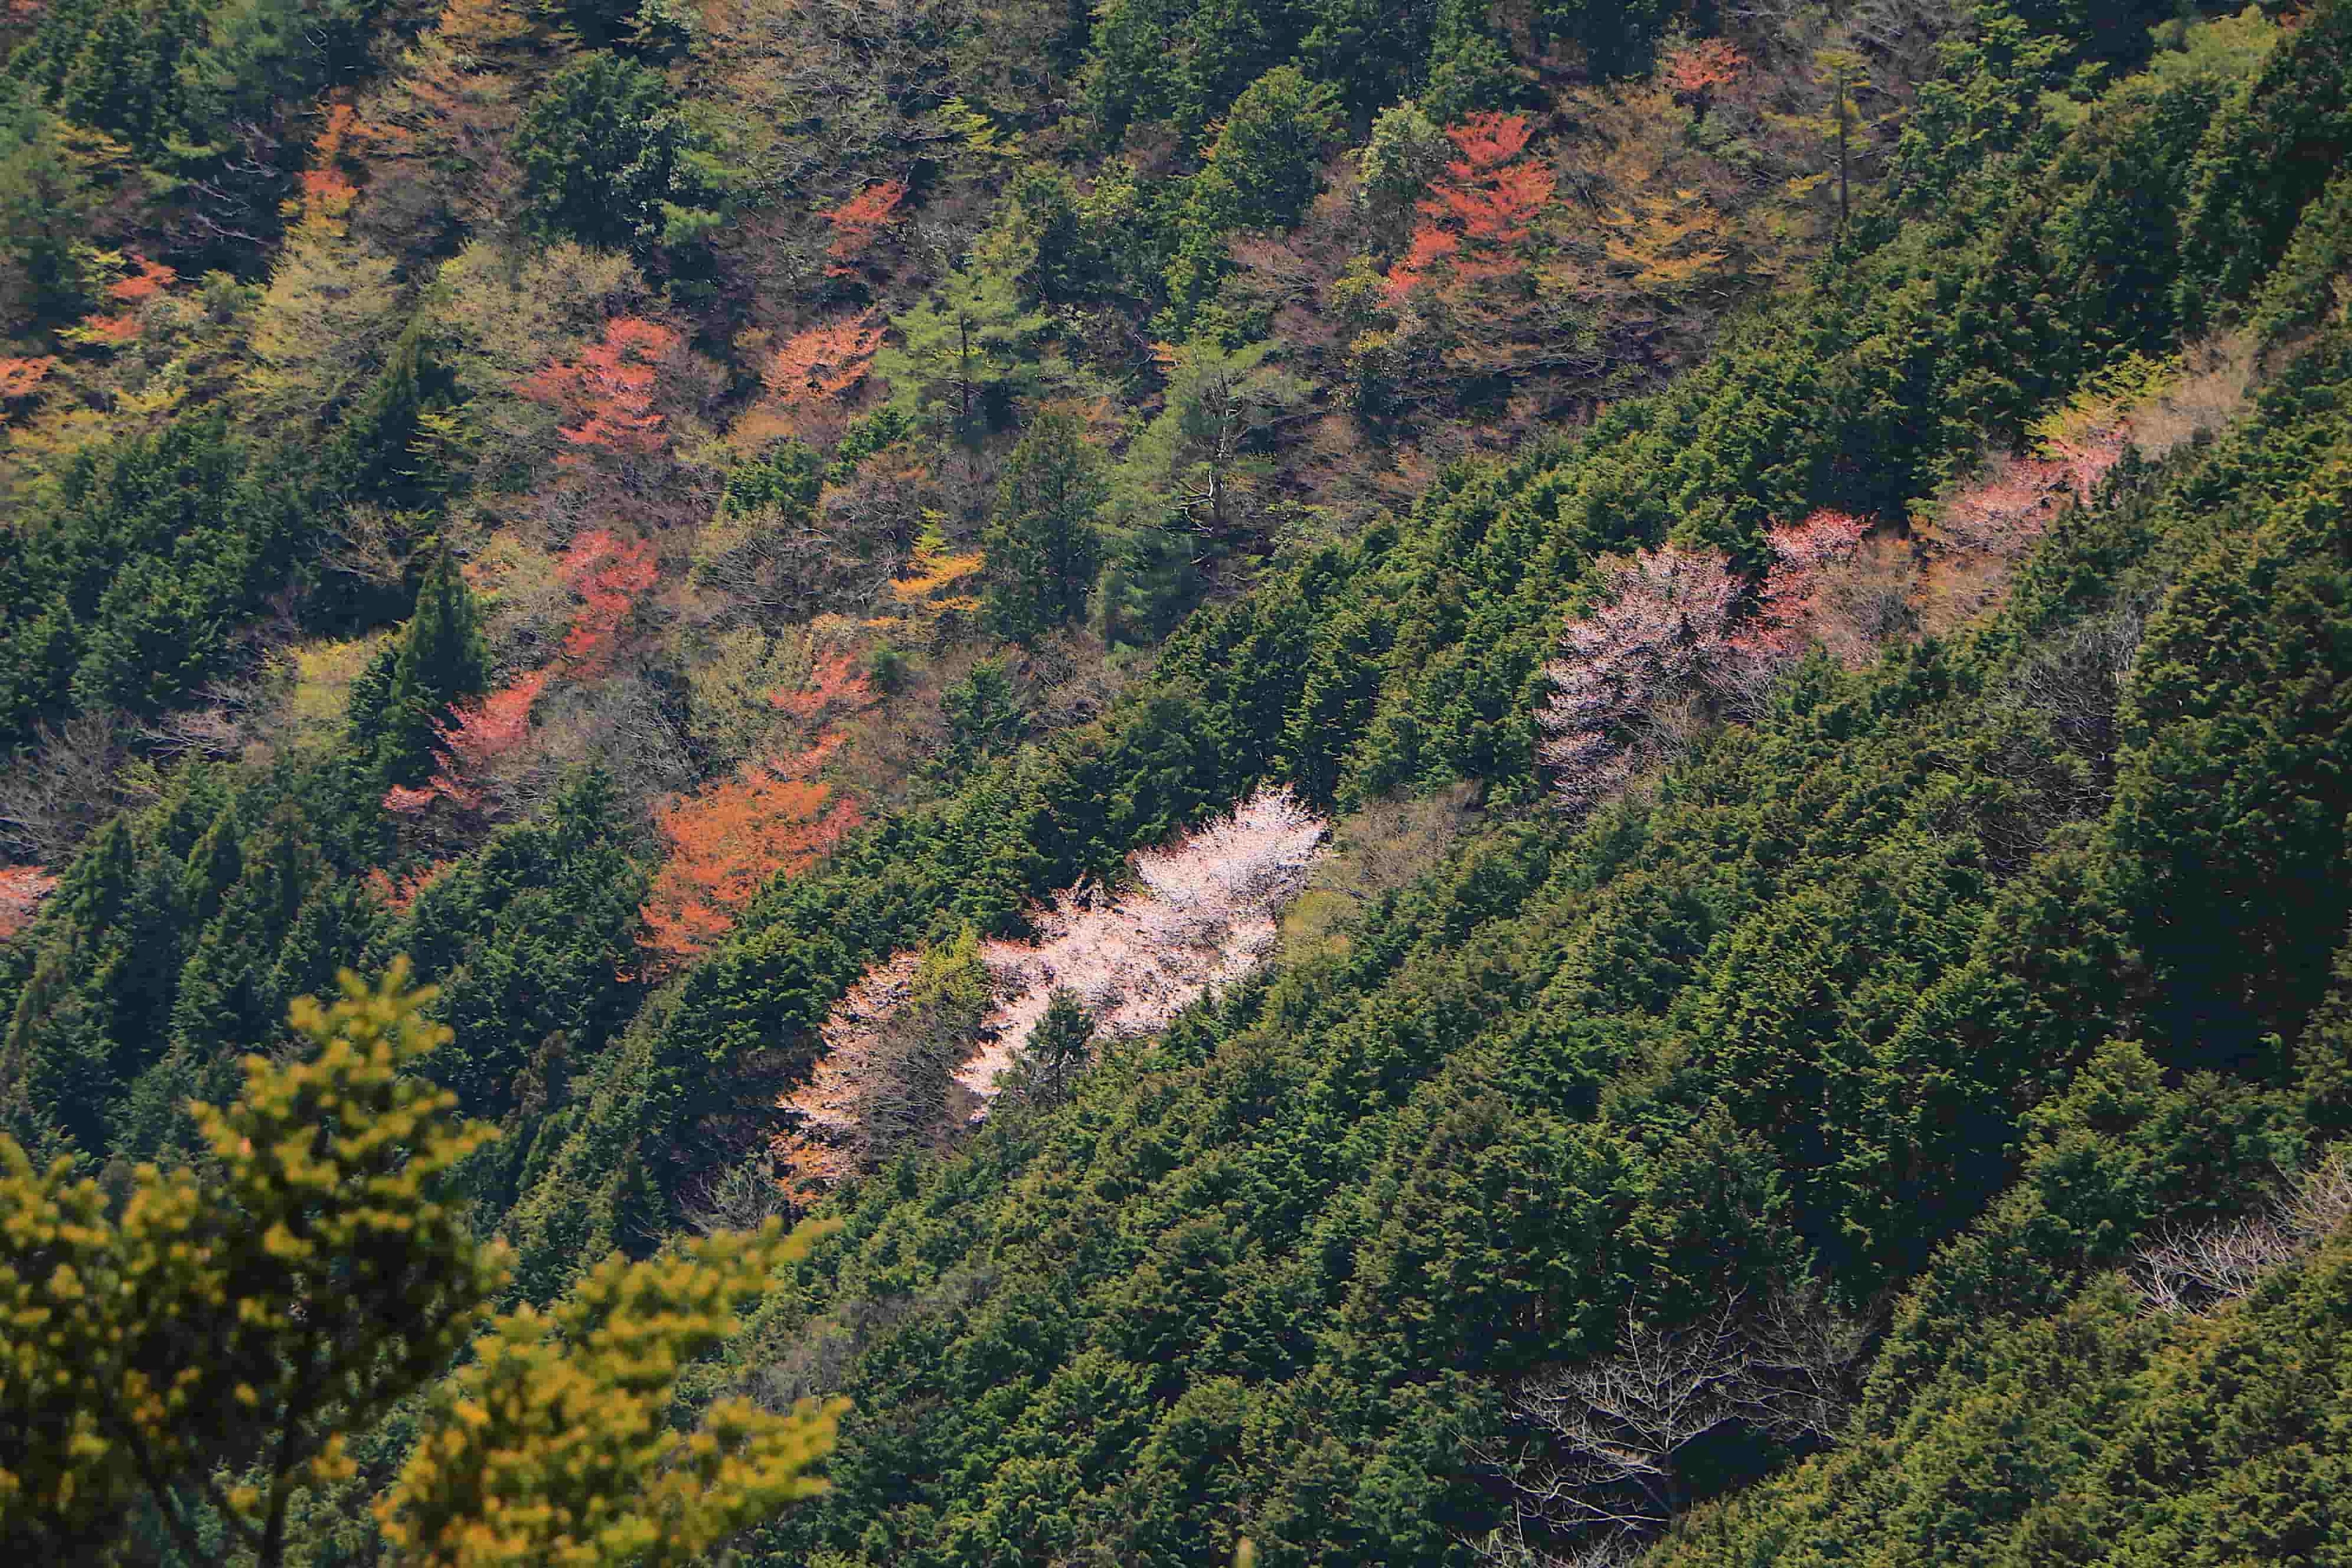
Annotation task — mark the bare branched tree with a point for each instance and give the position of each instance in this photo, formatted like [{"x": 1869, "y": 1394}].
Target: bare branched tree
[
  {"x": 741, "y": 1196},
  {"x": 217, "y": 728},
  {"x": 2185, "y": 1272},
  {"x": 370, "y": 544},
  {"x": 51, "y": 796},
  {"x": 1596, "y": 1470},
  {"x": 2077, "y": 680}
]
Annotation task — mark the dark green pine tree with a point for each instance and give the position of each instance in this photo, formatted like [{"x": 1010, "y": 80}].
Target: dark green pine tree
[
  {"x": 161, "y": 629},
  {"x": 98, "y": 995},
  {"x": 441, "y": 658},
  {"x": 1042, "y": 545},
  {"x": 122, "y": 79},
  {"x": 983, "y": 715},
  {"x": 214, "y": 867},
  {"x": 1057, "y": 1048},
  {"x": 1372, "y": 50},
  {"x": 608, "y": 157},
  {"x": 230, "y": 999},
  {"x": 1470, "y": 68},
  {"x": 1149, "y": 580},
  {"x": 369, "y": 456},
  {"x": 1261, "y": 173}
]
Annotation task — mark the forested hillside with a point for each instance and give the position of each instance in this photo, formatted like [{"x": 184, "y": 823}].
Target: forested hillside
[{"x": 1525, "y": 782}]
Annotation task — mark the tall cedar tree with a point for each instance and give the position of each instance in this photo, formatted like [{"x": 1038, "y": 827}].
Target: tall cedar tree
[
  {"x": 441, "y": 658},
  {"x": 1042, "y": 546}
]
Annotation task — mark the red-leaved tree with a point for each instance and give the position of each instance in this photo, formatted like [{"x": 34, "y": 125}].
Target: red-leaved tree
[
  {"x": 835, "y": 688},
  {"x": 1790, "y": 604},
  {"x": 858, "y": 222},
  {"x": 1697, "y": 68},
  {"x": 476, "y": 737},
  {"x": 610, "y": 574},
  {"x": 396, "y": 893},
  {"x": 22, "y": 889},
  {"x": 606, "y": 395},
  {"x": 1476, "y": 215},
  {"x": 481, "y": 739}
]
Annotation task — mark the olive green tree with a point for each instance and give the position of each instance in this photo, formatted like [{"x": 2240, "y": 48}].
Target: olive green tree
[{"x": 200, "y": 1351}]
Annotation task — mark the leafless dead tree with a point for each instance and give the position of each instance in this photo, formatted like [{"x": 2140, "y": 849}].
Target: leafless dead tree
[
  {"x": 56, "y": 793},
  {"x": 215, "y": 728},
  {"x": 741, "y": 1196},
  {"x": 903, "y": 1101},
  {"x": 2078, "y": 679},
  {"x": 2192, "y": 1271},
  {"x": 1512, "y": 1547},
  {"x": 1597, "y": 1473},
  {"x": 370, "y": 544}
]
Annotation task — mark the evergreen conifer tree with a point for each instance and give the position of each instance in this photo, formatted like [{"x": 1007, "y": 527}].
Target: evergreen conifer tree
[
  {"x": 369, "y": 456},
  {"x": 441, "y": 658},
  {"x": 1470, "y": 69},
  {"x": 1057, "y": 1050},
  {"x": 1042, "y": 547},
  {"x": 964, "y": 354},
  {"x": 215, "y": 865}
]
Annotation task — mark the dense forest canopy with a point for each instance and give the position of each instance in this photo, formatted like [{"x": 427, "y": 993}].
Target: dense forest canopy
[{"x": 1157, "y": 783}]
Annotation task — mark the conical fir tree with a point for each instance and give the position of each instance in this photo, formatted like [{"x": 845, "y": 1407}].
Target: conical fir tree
[
  {"x": 214, "y": 867},
  {"x": 1043, "y": 548},
  {"x": 441, "y": 658},
  {"x": 369, "y": 458}
]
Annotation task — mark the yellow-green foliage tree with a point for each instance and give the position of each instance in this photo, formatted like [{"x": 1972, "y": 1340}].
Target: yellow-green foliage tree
[{"x": 199, "y": 1352}]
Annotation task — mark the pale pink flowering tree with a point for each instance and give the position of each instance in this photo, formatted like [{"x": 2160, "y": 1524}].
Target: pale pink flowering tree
[
  {"x": 2005, "y": 510},
  {"x": 1676, "y": 641},
  {"x": 1633, "y": 677},
  {"x": 825, "y": 1142},
  {"x": 1202, "y": 912}
]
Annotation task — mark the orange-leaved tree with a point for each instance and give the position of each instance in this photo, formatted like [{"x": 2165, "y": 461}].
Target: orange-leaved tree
[
  {"x": 151, "y": 279},
  {"x": 1696, "y": 68},
  {"x": 726, "y": 842},
  {"x": 1481, "y": 210},
  {"x": 20, "y": 378},
  {"x": 22, "y": 889},
  {"x": 827, "y": 361},
  {"x": 859, "y": 221},
  {"x": 811, "y": 378}
]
